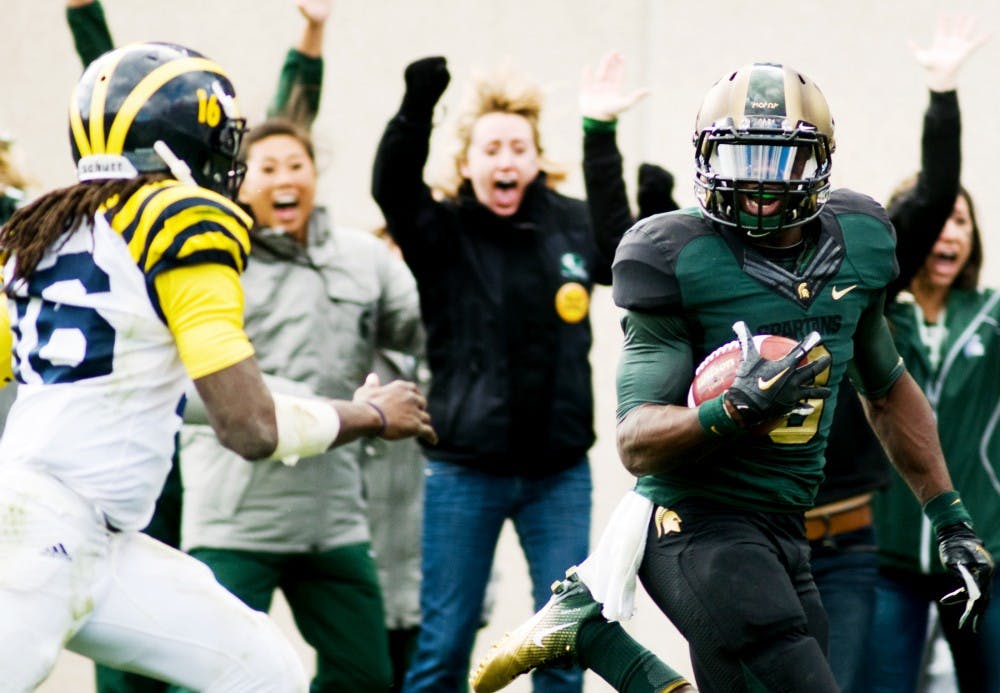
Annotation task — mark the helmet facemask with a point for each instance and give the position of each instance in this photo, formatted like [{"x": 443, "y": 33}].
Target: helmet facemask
[
  {"x": 223, "y": 171},
  {"x": 768, "y": 168},
  {"x": 760, "y": 181}
]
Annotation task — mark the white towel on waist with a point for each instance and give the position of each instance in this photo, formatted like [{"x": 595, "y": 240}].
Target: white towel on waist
[{"x": 610, "y": 571}]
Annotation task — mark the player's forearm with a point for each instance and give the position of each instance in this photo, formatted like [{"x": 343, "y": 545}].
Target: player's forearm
[
  {"x": 357, "y": 420},
  {"x": 258, "y": 424},
  {"x": 655, "y": 438},
  {"x": 905, "y": 424}
]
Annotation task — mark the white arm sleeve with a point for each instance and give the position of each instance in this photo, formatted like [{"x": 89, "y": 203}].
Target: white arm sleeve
[{"x": 307, "y": 426}]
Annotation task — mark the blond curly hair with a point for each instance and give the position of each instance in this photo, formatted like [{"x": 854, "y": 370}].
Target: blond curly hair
[{"x": 501, "y": 91}]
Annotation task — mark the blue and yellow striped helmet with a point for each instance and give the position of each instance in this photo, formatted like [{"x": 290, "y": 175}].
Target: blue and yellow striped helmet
[{"x": 151, "y": 107}]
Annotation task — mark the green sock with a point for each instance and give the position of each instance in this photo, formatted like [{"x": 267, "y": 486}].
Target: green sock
[{"x": 611, "y": 653}]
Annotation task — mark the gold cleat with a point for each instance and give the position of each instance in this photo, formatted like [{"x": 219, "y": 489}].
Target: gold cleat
[{"x": 546, "y": 639}]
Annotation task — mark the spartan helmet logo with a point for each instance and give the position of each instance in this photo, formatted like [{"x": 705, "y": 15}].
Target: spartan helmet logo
[{"x": 666, "y": 521}]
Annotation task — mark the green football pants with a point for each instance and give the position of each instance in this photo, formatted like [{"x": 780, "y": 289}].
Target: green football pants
[{"x": 335, "y": 599}]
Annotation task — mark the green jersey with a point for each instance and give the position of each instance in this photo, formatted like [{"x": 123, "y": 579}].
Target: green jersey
[
  {"x": 956, "y": 365},
  {"x": 685, "y": 280}
]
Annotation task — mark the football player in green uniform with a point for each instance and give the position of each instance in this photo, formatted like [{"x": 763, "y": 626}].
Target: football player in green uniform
[{"x": 769, "y": 250}]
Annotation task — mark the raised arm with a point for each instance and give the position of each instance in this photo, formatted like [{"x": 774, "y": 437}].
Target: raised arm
[
  {"x": 300, "y": 81},
  {"x": 397, "y": 176},
  {"x": 91, "y": 35},
  {"x": 603, "y": 99},
  {"x": 919, "y": 213}
]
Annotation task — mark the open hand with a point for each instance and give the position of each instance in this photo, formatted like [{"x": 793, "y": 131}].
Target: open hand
[
  {"x": 602, "y": 95},
  {"x": 955, "y": 39},
  {"x": 315, "y": 11}
]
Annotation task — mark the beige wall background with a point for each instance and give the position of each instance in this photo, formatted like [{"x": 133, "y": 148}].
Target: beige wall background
[{"x": 856, "y": 50}]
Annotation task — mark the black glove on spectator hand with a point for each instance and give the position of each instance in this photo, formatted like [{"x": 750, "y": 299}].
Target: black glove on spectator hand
[
  {"x": 426, "y": 79},
  {"x": 764, "y": 390},
  {"x": 656, "y": 190},
  {"x": 962, "y": 552}
]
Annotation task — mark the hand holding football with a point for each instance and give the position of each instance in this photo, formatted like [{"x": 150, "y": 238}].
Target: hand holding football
[{"x": 715, "y": 374}]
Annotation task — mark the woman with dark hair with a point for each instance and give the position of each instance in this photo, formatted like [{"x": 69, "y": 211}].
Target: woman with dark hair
[
  {"x": 946, "y": 330},
  {"x": 320, "y": 301}
]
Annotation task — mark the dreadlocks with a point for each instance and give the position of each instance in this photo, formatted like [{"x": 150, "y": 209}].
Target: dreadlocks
[{"x": 35, "y": 227}]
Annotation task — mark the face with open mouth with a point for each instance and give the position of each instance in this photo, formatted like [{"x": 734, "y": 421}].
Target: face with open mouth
[
  {"x": 952, "y": 249},
  {"x": 501, "y": 161},
  {"x": 280, "y": 184}
]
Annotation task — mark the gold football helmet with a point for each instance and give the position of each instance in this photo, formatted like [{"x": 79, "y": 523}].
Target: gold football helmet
[{"x": 763, "y": 141}]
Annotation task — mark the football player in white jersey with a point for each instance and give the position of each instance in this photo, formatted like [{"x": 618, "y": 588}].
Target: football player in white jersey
[{"x": 122, "y": 289}]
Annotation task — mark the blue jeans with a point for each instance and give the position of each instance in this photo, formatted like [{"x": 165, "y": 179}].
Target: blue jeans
[
  {"x": 899, "y": 634},
  {"x": 464, "y": 511},
  {"x": 845, "y": 569}
]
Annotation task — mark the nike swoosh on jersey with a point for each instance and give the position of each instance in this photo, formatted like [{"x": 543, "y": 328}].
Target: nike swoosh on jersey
[
  {"x": 548, "y": 631},
  {"x": 769, "y": 383},
  {"x": 840, "y": 293}
]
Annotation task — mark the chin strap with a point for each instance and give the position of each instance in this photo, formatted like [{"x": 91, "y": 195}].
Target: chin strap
[{"x": 178, "y": 168}]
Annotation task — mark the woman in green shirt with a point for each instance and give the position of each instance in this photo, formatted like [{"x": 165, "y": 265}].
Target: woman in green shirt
[{"x": 946, "y": 330}]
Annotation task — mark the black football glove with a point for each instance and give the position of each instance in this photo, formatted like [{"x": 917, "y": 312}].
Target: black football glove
[
  {"x": 962, "y": 552},
  {"x": 766, "y": 390},
  {"x": 656, "y": 190},
  {"x": 426, "y": 79}
]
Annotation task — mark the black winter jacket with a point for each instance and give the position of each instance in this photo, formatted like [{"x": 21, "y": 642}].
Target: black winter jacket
[{"x": 504, "y": 303}]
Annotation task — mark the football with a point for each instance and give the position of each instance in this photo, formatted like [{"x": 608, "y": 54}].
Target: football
[{"x": 716, "y": 373}]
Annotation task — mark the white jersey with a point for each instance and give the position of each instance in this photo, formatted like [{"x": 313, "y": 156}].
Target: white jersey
[{"x": 100, "y": 379}]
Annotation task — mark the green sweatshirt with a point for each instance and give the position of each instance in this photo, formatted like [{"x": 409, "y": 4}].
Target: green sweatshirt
[{"x": 963, "y": 387}]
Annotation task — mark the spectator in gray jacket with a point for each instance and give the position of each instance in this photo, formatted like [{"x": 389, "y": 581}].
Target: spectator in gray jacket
[{"x": 320, "y": 301}]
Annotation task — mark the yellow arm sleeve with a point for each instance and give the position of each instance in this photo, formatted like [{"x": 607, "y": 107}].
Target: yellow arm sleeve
[
  {"x": 203, "y": 305},
  {"x": 6, "y": 343}
]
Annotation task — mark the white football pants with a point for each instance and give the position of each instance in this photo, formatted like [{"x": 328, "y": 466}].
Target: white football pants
[{"x": 122, "y": 599}]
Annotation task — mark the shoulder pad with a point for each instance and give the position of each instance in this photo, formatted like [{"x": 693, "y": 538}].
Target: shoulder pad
[
  {"x": 169, "y": 224},
  {"x": 869, "y": 236},
  {"x": 644, "y": 271}
]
